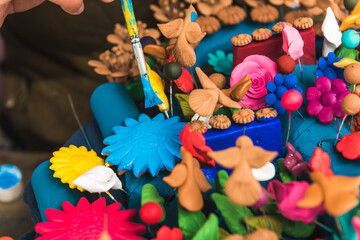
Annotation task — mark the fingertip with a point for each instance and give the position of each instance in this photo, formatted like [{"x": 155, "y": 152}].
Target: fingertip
[
  {"x": 78, "y": 11},
  {"x": 107, "y": 1}
]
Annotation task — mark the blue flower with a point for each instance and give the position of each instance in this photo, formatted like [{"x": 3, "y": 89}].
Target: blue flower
[
  {"x": 327, "y": 69},
  {"x": 278, "y": 88},
  {"x": 146, "y": 144},
  {"x": 221, "y": 62}
]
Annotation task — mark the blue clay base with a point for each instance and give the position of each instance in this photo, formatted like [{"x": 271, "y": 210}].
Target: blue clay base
[{"x": 264, "y": 134}]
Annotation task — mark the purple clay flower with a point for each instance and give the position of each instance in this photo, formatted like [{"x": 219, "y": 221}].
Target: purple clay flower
[
  {"x": 287, "y": 195},
  {"x": 325, "y": 99},
  {"x": 263, "y": 199},
  {"x": 294, "y": 162}
]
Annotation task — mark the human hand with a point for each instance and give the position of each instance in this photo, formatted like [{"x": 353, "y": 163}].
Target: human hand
[{"x": 7, "y": 7}]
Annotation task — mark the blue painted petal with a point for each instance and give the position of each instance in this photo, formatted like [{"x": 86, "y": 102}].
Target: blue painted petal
[
  {"x": 318, "y": 74},
  {"x": 166, "y": 157},
  {"x": 290, "y": 81},
  {"x": 173, "y": 120},
  {"x": 159, "y": 118},
  {"x": 270, "y": 86},
  {"x": 330, "y": 73},
  {"x": 122, "y": 142},
  {"x": 278, "y": 79},
  {"x": 130, "y": 122},
  {"x": 330, "y": 58},
  {"x": 128, "y": 161},
  {"x": 112, "y": 140},
  {"x": 279, "y": 108},
  {"x": 322, "y": 63},
  {"x": 121, "y": 130},
  {"x": 297, "y": 88},
  {"x": 279, "y": 92},
  {"x": 270, "y": 99},
  {"x": 144, "y": 118}
]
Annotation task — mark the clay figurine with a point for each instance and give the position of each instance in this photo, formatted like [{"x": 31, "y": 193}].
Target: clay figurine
[
  {"x": 206, "y": 101},
  {"x": 185, "y": 31},
  {"x": 190, "y": 181},
  {"x": 242, "y": 188},
  {"x": 339, "y": 194}
]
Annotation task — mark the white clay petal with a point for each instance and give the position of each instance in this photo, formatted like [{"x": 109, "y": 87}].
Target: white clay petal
[
  {"x": 264, "y": 173},
  {"x": 330, "y": 28},
  {"x": 98, "y": 179}
]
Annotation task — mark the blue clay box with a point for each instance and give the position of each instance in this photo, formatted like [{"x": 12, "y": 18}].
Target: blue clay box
[{"x": 263, "y": 134}]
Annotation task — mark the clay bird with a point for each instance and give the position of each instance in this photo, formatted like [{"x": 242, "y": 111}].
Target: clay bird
[
  {"x": 242, "y": 188},
  {"x": 207, "y": 100},
  {"x": 185, "y": 31},
  {"x": 339, "y": 194},
  {"x": 190, "y": 181}
]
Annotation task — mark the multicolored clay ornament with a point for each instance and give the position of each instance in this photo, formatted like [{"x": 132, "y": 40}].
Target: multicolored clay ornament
[{"x": 242, "y": 158}]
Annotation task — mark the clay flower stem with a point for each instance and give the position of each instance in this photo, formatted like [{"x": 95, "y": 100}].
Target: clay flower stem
[
  {"x": 341, "y": 125},
  {"x": 111, "y": 196},
  {"x": 323, "y": 226},
  {"x": 288, "y": 132},
  {"x": 339, "y": 227}
]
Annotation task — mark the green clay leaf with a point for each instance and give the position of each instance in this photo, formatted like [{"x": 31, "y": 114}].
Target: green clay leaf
[
  {"x": 224, "y": 111},
  {"x": 190, "y": 222},
  {"x": 150, "y": 194},
  {"x": 297, "y": 229},
  {"x": 136, "y": 91},
  {"x": 285, "y": 175},
  {"x": 210, "y": 230},
  {"x": 183, "y": 100},
  {"x": 223, "y": 234},
  {"x": 256, "y": 223},
  {"x": 220, "y": 180},
  {"x": 231, "y": 213}
]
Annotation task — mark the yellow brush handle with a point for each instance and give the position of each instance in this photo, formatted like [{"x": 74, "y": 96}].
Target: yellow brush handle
[{"x": 129, "y": 17}]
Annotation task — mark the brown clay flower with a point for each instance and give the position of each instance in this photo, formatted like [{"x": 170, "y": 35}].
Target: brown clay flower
[
  {"x": 168, "y": 10},
  {"x": 218, "y": 79},
  {"x": 121, "y": 34},
  {"x": 264, "y": 14},
  {"x": 241, "y": 40},
  {"x": 266, "y": 113},
  {"x": 278, "y": 27},
  {"x": 255, "y": 3},
  {"x": 198, "y": 126},
  {"x": 303, "y": 23},
  {"x": 208, "y": 24},
  {"x": 220, "y": 122},
  {"x": 288, "y": 3},
  {"x": 117, "y": 64},
  {"x": 292, "y": 15},
  {"x": 243, "y": 116},
  {"x": 261, "y": 34},
  {"x": 211, "y": 7},
  {"x": 232, "y": 15}
]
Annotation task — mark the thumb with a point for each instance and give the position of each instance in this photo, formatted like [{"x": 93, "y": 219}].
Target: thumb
[{"x": 73, "y": 7}]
